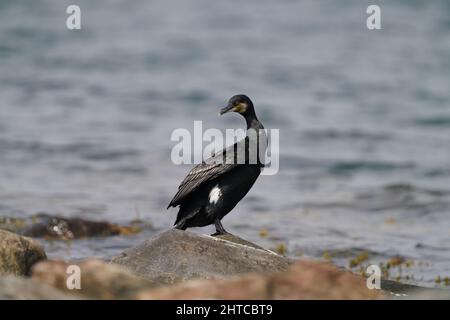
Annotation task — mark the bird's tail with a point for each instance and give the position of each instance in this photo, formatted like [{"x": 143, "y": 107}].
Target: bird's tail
[{"x": 181, "y": 225}]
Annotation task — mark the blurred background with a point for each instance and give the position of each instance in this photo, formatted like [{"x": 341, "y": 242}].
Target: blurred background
[{"x": 364, "y": 118}]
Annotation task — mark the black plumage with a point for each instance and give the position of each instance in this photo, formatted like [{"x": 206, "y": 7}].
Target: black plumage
[{"x": 213, "y": 188}]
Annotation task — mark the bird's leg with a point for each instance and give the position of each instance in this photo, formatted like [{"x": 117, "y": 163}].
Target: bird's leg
[{"x": 219, "y": 228}]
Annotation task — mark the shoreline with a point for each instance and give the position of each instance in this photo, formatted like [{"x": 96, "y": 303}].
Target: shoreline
[{"x": 183, "y": 265}]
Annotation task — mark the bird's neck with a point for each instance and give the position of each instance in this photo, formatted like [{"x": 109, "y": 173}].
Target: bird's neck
[
  {"x": 252, "y": 121},
  {"x": 256, "y": 140}
]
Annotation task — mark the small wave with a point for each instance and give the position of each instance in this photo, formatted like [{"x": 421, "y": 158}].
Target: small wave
[
  {"x": 109, "y": 155},
  {"x": 438, "y": 172},
  {"x": 425, "y": 246},
  {"x": 406, "y": 187},
  {"x": 349, "y": 166},
  {"x": 88, "y": 151},
  {"x": 345, "y": 135},
  {"x": 195, "y": 96},
  {"x": 437, "y": 121}
]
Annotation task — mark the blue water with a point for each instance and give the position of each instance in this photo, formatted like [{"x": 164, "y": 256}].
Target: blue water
[{"x": 364, "y": 118}]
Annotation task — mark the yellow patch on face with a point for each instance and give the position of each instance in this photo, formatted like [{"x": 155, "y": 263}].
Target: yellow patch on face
[{"x": 240, "y": 107}]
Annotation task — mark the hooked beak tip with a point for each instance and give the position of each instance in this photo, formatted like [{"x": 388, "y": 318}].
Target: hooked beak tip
[{"x": 225, "y": 110}]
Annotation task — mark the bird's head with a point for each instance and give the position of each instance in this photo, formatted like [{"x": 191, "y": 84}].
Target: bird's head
[{"x": 239, "y": 103}]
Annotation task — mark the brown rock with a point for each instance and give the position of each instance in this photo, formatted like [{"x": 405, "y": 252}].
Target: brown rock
[
  {"x": 304, "y": 280},
  {"x": 99, "y": 280},
  {"x": 18, "y": 288},
  {"x": 247, "y": 287},
  {"x": 18, "y": 254},
  {"x": 55, "y": 227},
  {"x": 61, "y": 228},
  {"x": 313, "y": 280}
]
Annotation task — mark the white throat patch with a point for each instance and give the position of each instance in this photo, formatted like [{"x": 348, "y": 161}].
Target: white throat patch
[{"x": 215, "y": 194}]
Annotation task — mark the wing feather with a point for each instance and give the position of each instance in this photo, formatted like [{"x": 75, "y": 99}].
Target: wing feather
[
  {"x": 197, "y": 176},
  {"x": 210, "y": 169}
]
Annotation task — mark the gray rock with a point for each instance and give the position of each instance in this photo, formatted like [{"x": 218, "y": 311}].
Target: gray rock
[
  {"x": 18, "y": 254},
  {"x": 398, "y": 290},
  {"x": 176, "y": 255},
  {"x": 17, "y": 288}
]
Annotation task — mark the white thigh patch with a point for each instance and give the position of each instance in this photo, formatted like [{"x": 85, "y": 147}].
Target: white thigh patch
[{"x": 215, "y": 194}]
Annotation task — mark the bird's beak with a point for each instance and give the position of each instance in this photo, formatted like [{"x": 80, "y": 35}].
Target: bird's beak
[{"x": 228, "y": 108}]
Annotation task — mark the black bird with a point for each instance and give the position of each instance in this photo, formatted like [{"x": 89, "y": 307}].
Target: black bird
[{"x": 214, "y": 187}]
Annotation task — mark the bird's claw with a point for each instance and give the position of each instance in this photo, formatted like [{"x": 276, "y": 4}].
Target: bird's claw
[{"x": 217, "y": 233}]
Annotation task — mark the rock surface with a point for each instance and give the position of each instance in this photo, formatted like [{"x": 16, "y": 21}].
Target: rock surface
[
  {"x": 99, "y": 280},
  {"x": 184, "y": 265},
  {"x": 398, "y": 290},
  {"x": 177, "y": 255},
  {"x": 304, "y": 280},
  {"x": 56, "y": 227},
  {"x": 17, "y": 288},
  {"x": 62, "y": 228},
  {"x": 18, "y": 254}
]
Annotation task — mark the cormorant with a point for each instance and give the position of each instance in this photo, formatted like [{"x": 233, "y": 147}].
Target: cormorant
[{"x": 214, "y": 187}]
